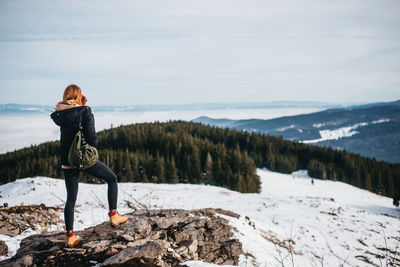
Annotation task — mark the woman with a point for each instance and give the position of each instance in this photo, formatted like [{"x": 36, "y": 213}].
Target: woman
[{"x": 67, "y": 115}]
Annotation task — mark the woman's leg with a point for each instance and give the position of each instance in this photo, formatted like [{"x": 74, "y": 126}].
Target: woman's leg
[
  {"x": 71, "y": 177},
  {"x": 102, "y": 171}
]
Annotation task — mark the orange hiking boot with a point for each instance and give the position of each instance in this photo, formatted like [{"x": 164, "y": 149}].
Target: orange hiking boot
[
  {"x": 73, "y": 239},
  {"x": 116, "y": 218}
]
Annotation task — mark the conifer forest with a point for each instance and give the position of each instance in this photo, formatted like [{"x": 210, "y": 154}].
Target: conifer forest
[{"x": 187, "y": 152}]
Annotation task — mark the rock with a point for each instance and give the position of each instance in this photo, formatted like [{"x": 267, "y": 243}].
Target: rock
[
  {"x": 95, "y": 247},
  {"x": 149, "y": 238},
  {"x": 147, "y": 252},
  {"x": 224, "y": 212},
  {"x": 3, "y": 248},
  {"x": 11, "y": 231},
  {"x": 17, "y": 219},
  {"x": 111, "y": 251},
  {"x": 21, "y": 262},
  {"x": 185, "y": 234},
  {"x": 192, "y": 246}
]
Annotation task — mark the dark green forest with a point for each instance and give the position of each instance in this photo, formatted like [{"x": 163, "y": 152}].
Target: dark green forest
[{"x": 187, "y": 152}]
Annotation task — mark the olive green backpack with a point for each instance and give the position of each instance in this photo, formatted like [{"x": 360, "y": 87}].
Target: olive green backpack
[{"x": 81, "y": 154}]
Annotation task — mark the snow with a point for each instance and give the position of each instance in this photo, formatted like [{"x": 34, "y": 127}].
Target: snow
[
  {"x": 327, "y": 221},
  {"x": 342, "y": 132},
  {"x": 285, "y": 128},
  {"x": 318, "y": 125},
  {"x": 380, "y": 121}
]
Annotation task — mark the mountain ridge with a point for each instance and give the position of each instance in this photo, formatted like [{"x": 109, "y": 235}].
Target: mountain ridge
[
  {"x": 13, "y": 107},
  {"x": 371, "y": 130}
]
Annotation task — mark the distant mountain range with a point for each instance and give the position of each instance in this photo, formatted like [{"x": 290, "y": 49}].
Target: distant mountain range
[
  {"x": 194, "y": 106},
  {"x": 372, "y": 130}
]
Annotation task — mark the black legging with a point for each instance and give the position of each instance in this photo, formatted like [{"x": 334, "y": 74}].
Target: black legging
[{"x": 71, "y": 182}]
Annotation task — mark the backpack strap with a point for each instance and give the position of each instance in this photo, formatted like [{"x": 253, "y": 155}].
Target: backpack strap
[
  {"x": 80, "y": 119},
  {"x": 83, "y": 141}
]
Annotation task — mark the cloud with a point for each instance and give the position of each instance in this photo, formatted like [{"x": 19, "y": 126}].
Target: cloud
[{"x": 201, "y": 51}]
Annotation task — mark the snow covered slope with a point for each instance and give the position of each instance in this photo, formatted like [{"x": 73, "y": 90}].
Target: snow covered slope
[{"x": 290, "y": 223}]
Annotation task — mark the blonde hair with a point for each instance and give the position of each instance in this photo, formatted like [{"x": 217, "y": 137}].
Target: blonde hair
[{"x": 73, "y": 92}]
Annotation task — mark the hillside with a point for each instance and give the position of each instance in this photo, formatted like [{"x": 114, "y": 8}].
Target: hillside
[
  {"x": 188, "y": 152},
  {"x": 328, "y": 223},
  {"x": 371, "y": 130}
]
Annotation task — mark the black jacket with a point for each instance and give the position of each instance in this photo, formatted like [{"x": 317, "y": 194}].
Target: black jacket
[{"x": 68, "y": 120}]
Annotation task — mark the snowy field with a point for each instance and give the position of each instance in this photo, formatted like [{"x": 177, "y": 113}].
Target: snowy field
[
  {"x": 15, "y": 126},
  {"x": 290, "y": 223}
]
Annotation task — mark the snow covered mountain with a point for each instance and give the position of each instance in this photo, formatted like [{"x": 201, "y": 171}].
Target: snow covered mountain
[
  {"x": 292, "y": 222},
  {"x": 371, "y": 130}
]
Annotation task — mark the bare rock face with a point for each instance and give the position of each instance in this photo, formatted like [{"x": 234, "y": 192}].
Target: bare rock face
[
  {"x": 148, "y": 238},
  {"x": 3, "y": 248}
]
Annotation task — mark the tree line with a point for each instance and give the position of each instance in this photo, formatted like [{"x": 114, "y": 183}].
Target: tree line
[
  {"x": 187, "y": 152},
  {"x": 148, "y": 152}
]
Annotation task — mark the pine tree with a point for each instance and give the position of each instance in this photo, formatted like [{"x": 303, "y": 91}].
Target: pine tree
[
  {"x": 195, "y": 169},
  {"x": 171, "y": 172},
  {"x": 161, "y": 169},
  {"x": 208, "y": 169}
]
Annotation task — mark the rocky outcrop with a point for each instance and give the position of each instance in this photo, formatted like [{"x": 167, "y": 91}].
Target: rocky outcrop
[
  {"x": 3, "y": 248},
  {"x": 149, "y": 238},
  {"x": 15, "y": 220}
]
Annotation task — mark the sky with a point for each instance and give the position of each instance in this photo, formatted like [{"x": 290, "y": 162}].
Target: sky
[{"x": 210, "y": 51}]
